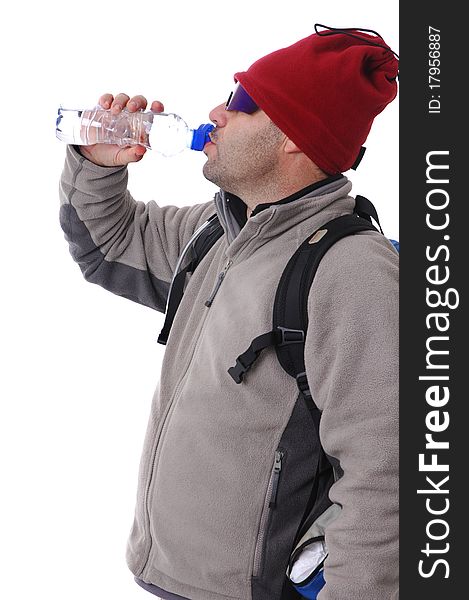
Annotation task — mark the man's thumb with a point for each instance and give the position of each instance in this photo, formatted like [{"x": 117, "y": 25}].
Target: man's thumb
[{"x": 129, "y": 154}]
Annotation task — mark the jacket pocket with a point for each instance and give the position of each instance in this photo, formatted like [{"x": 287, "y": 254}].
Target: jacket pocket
[
  {"x": 270, "y": 502},
  {"x": 307, "y": 567},
  {"x": 306, "y": 564}
]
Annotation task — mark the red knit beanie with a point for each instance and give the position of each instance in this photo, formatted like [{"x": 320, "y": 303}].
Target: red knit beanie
[{"x": 324, "y": 91}]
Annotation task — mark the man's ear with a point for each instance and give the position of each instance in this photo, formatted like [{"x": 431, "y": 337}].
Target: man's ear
[{"x": 290, "y": 147}]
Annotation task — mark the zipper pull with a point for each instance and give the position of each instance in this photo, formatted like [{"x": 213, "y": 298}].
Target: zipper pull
[
  {"x": 221, "y": 276},
  {"x": 276, "y": 477}
]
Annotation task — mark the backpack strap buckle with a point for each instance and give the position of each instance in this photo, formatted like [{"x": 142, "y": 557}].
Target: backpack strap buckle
[
  {"x": 290, "y": 336},
  {"x": 245, "y": 360},
  {"x": 303, "y": 384},
  {"x": 237, "y": 372}
]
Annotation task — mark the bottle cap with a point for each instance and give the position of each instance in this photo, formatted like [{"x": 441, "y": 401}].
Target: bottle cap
[{"x": 201, "y": 136}]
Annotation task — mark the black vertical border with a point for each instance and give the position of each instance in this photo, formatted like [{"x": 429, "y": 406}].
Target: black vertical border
[{"x": 422, "y": 132}]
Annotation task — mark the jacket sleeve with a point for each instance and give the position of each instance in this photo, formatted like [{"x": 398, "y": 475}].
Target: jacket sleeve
[
  {"x": 351, "y": 360},
  {"x": 130, "y": 248}
]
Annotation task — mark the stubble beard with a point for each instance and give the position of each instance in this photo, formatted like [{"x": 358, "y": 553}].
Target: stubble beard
[{"x": 246, "y": 164}]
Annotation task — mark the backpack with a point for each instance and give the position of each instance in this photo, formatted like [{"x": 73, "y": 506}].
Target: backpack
[{"x": 304, "y": 573}]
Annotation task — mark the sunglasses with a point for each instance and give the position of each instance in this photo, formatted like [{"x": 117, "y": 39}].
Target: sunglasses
[{"x": 240, "y": 100}]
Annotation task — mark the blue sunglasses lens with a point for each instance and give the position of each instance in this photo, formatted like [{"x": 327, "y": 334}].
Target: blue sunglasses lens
[{"x": 240, "y": 100}]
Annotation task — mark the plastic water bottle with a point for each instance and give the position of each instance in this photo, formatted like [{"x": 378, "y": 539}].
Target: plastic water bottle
[{"x": 166, "y": 133}]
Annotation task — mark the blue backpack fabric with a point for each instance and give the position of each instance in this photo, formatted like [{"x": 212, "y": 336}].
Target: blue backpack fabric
[{"x": 311, "y": 590}]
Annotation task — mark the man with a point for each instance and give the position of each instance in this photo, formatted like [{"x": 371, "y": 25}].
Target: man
[{"x": 205, "y": 525}]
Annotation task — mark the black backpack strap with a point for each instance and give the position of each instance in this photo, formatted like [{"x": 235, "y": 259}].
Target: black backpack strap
[
  {"x": 277, "y": 337},
  {"x": 290, "y": 313},
  {"x": 200, "y": 243},
  {"x": 291, "y": 301},
  {"x": 366, "y": 209}
]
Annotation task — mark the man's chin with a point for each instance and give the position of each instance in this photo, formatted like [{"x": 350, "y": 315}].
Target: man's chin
[
  {"x": 214, "y": 172},
  {"x": 207, "y": 172}
]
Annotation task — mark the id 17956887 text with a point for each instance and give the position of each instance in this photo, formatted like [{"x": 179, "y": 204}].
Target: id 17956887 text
[{"x": 434, "y": 70}]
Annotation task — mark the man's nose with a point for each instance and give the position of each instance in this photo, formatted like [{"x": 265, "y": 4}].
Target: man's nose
[{"x": 219, "y": 115}]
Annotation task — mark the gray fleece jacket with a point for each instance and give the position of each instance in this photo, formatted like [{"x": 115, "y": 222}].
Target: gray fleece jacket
[{"x": 210, "y": 445}]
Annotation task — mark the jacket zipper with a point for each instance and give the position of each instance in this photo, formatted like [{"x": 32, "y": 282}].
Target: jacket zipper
[
  {"x": 270, "y": 502},
  {"x": 166, "y": 418},
  {"x": 220, "y": 279},
  {"x": 158, "y": 442}
]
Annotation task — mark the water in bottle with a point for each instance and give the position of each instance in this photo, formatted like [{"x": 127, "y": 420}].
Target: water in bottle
[{"x": 166, "y": 133}]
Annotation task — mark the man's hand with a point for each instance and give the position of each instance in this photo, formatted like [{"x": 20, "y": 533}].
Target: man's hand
[{"x": 112, "y": 155}]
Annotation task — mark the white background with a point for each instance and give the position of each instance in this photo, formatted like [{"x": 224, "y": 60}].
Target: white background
[{"x": 79, "y": 365}]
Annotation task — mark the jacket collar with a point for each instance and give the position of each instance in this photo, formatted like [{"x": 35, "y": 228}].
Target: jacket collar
[
  {"x": 296, "y": 207},
  {"x": 305, "y": 191}
]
